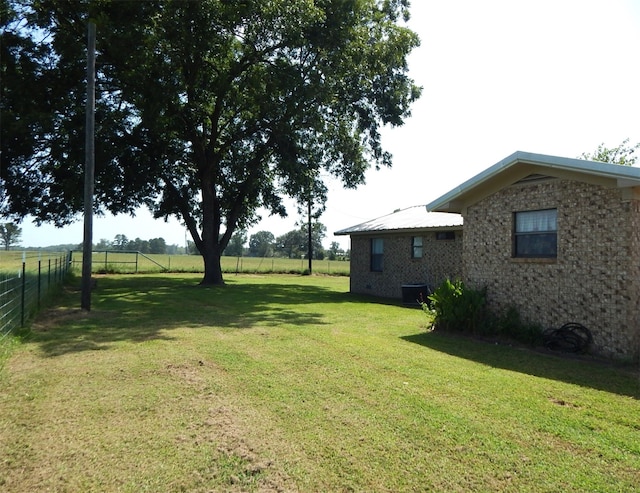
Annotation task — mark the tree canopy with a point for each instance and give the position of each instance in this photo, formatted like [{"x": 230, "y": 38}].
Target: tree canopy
[
  {"x": 205, "y": 110},
  {"x": 295, "y": 243},
  {"x": 622, "y": 154},
  {"x": 10, "y": 235},
  {"x": 261, "y": 244}
]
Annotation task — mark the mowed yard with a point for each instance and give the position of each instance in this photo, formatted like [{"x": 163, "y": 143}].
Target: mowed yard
[{"x": 290, "y": 383}]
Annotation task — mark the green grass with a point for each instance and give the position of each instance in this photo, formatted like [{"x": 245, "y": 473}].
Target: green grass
[
  {"x": 289, "y": 383},
  {"x": 118, "y": 262},
  {"x": 11, "y": 261}
]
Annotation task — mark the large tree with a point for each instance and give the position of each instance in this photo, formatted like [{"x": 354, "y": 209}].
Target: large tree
[
  {"x": 261, "y": 244},
  {"x": 10, "y": 235},
  {"x": 295, "y": 243},
  {"x": 205, "y": 110}
]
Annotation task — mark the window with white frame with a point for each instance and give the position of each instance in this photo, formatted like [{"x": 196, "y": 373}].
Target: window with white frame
[
  {"x": 535, "y": 233},
  {"x": 377, "y": 251},
  {"x": 416, "y": 247}
]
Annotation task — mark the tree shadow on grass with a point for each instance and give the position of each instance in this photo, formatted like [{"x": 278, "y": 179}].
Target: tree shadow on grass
[
  {"x": 143, "y": 308},
  {"x": 584, "y": 372}
]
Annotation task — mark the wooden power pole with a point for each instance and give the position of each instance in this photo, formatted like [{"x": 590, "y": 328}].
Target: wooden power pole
[{"x": 89, "y": 168}]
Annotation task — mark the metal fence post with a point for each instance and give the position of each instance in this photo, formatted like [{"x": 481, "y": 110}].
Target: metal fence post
[
  {"x": 39, "y": 280},
  {"x": 24, "y": 287}
]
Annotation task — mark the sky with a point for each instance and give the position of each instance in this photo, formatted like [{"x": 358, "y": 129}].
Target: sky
[{"x": 554, "y": 77}]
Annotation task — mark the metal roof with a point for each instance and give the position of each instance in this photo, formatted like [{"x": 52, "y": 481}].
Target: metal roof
[
  {"x": 622, "y": 176},
  {"x": 411, "y": 218}
]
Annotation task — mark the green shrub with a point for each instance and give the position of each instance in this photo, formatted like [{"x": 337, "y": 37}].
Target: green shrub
[
  {"x": 454, "y": 306},
  {"x": 510, "y": 324},
  {"x": 457, "y": 307}
]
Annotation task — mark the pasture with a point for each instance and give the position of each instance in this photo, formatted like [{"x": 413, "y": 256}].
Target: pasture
[
  {"x": 131, "y": 262},
  {"x": 290, "y": 383}
]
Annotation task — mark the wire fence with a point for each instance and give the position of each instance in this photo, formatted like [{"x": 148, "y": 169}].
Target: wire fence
[
  {"x": 118, "y": 261},
  {"x": 125, "y": 262},
  {"x": 24, "y": 282}
]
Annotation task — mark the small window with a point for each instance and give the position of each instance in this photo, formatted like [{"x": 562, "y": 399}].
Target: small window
[
  {"x": 416, "y": 247},
  {"x": 536, "y": 234},
  {"x": 446, "y": 235},
  {"x": 377, "y": 250}
]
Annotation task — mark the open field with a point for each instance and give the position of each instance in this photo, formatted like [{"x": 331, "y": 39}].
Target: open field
[
  {"x": 117, "y": 262},
  {"x": 289, "y": 383},
  {"x": 11, "y": 261}
]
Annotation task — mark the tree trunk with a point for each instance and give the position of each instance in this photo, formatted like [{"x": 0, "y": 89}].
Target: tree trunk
[
  {"x": 212, "y": 267},
  {"x": 210, "y": 247}
]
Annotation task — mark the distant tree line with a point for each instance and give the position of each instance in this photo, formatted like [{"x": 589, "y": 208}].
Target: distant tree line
[
  {"x": 152, "y": 246},
  {"x": 293, "y": 244}
]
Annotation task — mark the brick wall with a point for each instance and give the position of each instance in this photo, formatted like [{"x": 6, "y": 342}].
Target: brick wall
[
  {"x": 441, "y": 259},
  {"x": 595, "y": 279},
  {"x": 633, "y": 317}
]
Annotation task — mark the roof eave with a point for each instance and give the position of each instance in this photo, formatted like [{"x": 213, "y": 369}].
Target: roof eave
[
  {"x": 369, "y": 232},
  {"x": 451, "y": 201}
]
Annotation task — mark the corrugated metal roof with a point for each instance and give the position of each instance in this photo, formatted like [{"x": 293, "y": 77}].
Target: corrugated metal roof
[
  {"x": 626, "y": 176},
  {"x": 412, "y": 218}
]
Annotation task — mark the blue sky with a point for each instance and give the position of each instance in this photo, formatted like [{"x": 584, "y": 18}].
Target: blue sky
[{"x": 547, "y": 76}]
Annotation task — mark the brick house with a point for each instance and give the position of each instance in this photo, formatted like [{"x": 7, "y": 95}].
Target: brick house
[
  {"x": 559, "y": 239},
  {"x": 410, "y": 248}
]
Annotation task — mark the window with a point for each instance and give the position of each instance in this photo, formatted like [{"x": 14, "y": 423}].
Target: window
[
  {"x": 446, "y": 235},
  {"x": 535, "y": 233},
  {"x": 376, "y": 254},
  {"x": 416, "y": 247}
]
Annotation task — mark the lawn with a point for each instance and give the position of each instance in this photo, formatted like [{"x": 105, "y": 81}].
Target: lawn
[{"x": 289, "y": 383}]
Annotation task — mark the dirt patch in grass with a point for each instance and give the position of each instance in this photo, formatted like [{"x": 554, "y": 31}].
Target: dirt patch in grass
[
  {"x": 183, "y": 414},
  {"x": 238, "y": 431},
  {"x": 225, "y": 428},
  {"x": 563, "y": 403},
  {"x": 241, "y": 432},
  {"x": 54, "y": 317}
]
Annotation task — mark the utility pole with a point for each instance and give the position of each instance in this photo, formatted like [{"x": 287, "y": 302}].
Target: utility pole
[{"x": 89, "y": 167}]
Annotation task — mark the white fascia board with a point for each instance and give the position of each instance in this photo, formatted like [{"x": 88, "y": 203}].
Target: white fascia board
[{"x": 626, "y": 176}]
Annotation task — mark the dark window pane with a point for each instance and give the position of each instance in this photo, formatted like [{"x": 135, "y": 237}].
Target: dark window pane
[
  {"x": 536, "y": 245},
  {"x": 376, "y": 263},
  {"x": 377, "y": 249},
  {"x": 445, "y": 235}
]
